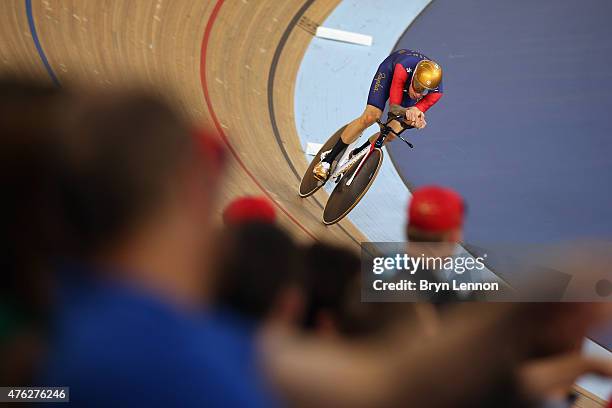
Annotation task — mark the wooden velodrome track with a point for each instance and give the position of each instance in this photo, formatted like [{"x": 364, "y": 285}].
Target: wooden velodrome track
[{"x": 228, "y": 64}]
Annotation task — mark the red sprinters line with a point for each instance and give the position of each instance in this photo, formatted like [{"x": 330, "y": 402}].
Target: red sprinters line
[{"x": 207, "y": 31}]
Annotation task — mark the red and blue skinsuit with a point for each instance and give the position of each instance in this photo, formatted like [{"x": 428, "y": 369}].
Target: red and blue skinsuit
[{"x": 393, "y": 79}]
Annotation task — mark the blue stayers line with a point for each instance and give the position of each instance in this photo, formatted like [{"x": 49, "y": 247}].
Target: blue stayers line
[{"x": 41, "y": 52}]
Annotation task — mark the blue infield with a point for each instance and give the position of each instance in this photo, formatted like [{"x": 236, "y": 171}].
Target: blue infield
[{"x": 524, "y": 130}]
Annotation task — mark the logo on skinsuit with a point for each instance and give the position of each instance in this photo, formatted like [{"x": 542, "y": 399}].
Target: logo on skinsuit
[{"x": 377, "y": 84}]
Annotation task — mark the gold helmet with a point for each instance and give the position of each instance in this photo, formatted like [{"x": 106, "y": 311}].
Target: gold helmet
[{"x": 427, "y": 76}]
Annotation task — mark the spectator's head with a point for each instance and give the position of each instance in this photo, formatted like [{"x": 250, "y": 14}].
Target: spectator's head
[
  {"x": 249, "y": 209},
  {"x": 331, "y": 274},
  {"x": 259, "y": 276},
  {"x": 28, "y": 175},
  {"x": 435, "y": 214},
  {"x": 332, "y": 289},
  {"x": 30, "y": 236},
  {"x": 138, "y": 191}
]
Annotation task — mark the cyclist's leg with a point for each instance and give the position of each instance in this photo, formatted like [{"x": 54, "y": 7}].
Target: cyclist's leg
[
  {"x": 377, "y": 98},
  {"x": 354, "y": 129},
  {"x": 365, "y": 144},
  {"x": 397, "y": 127}
]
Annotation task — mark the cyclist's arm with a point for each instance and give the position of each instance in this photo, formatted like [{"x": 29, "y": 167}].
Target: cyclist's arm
[
  {"x": 428, "y": 101},
  {"x": 396, "y": 93}
]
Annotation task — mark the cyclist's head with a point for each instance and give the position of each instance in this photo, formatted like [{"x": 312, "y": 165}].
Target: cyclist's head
[{"x": 427, "y": 76}]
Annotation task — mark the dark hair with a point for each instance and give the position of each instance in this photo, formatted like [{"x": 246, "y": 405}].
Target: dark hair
[
  {"x": 333, "y": 286},
  {"x": 121, "y": 153},
  {"x": 331, "y": 271},
  {"x": 259, "y": 260},
  {"x": 31, "y": 236},
  {"x": 414, "y": 234},
  {"x": 28, "y": 174},
  {"x": 29, "y": 166}
]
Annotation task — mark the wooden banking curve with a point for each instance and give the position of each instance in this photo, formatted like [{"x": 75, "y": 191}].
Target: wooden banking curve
[{"x": 229, "y": 64}]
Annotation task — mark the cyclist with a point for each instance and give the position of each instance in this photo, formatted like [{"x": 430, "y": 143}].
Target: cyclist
[{"x": 408, "y": 79}]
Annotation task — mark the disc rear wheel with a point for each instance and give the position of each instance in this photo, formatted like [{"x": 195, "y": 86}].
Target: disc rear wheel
[{"x": 345, "y": 197}]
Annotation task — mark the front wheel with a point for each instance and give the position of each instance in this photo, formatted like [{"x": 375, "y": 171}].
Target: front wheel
[{"x": 345, "y": 197}]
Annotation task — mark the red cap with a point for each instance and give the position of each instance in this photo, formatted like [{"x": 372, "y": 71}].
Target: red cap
[
  {"x": 435, "y": 209},
  {"x": 249, "y": 209}
]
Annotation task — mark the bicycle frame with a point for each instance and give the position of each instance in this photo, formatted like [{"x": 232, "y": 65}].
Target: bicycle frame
[{"x": 363, "y": 155}]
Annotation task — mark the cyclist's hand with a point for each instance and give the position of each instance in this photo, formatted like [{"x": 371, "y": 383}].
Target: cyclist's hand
[
  {"x": 420, "y": 123},
  {"x": 396, "y": 110},
  {"x": 413, "y": 114}
]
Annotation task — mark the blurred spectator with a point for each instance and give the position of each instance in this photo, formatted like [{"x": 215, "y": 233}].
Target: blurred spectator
[
  {"x": 30, "y": 234},
  {"x": 333, "y": 296},
  {"x": 331, "y": 274},
  {"x": 434, "y": 229},
  {"x": 435, "y": 214},
  {"x": 249, "y": 209},
  {"x": 129, "y": 328},
  {"x": 403, "y": 366},
  {"x": 260, "y": 275},
  {"x": 119, "y": 192}
]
